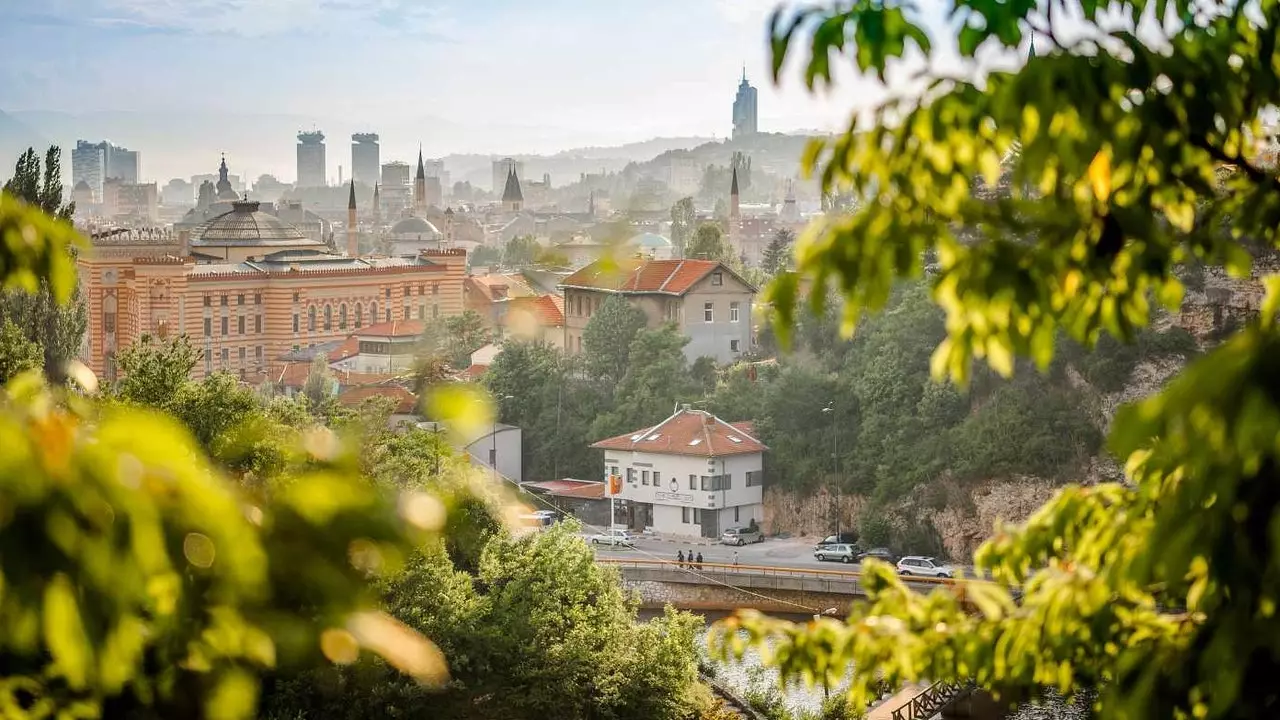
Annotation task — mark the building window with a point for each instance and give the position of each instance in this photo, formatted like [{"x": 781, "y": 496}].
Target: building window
[
  {"x": 208, "y": 327},
  {"x": 693, "y": 482},
  {"x": 224, "y": 301},
  {"x": 406, "y": 291},
  {"x": 208, "y": 363},
  {"x": 296, "y": 295},
  {"x": 242, "y": 351},
  {"x": 736, "y": 517},
  {"x": 422, "y": 311},
  {"x": 697, "y": 516},
  {"x": 733, "y": 346},
  {"x": 717, "y": 278},
  {"x": 208, "y": 301},
  {"x": 726, "y": 482},
  {"x": 733, "y": 311},
  {"x": 755, "y": 478},
  {"x": 631, "y": 475},
  {"x": 373, "y": 313},
  {"x": 257, "y": 298},
  {"x": 644, "y": 477},
  {"x": 328, "y": 317},
  {"x": 240, "y": 325},
  {"x": 388, "y": 315},
  {"x": 311, "y": 319},
  {"x": 613, "y": 471},
  {"x": 657, "y": 476},
  {"x": 708, "y": 312},
  {"x": 708, "y": 482},
  {"x": 684, "y": 515},
  {"x": 422, "y": 290},
  {"x": 387, "y": 292},
  {"x": 257, "y": 353},
  {"x": 257, "y": 324},
  {"x": 225, "y": 323},
  {"x": 435, "y": 311},
  {"x": 240, "y": 299},
  {"x": 226, "y": 357},
  {"x": 435, "y": 288},
  {"x": 295, "y": 323},
  {"x": 342, "y": 317}
]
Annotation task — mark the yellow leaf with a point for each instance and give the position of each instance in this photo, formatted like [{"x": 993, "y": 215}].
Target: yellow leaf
[
  {"x": 64, "y": 632},
  {"x": 233, "y": 698},
  {"x": 1100, "y": 176}
]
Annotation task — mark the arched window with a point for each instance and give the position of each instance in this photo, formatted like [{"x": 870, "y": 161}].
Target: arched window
[
  {"x": 328, "y": 317},
  {"x": 373, "y": 313},
  {"x": 109, "y": 314},
  {"x": 342, "y": 317},
  {"x": 359, "y": 314},
  {"x": 311, "y": 318}
]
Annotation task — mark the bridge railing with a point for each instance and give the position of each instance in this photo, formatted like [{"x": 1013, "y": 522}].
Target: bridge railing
[
  {"x": 763, "y": 570},
  {"x": 929, "y": 702}
]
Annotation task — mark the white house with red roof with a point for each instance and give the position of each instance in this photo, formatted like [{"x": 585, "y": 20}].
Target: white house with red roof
[
  {"x": 388, "y": 347},
  {"x": 692, "y": 474},
  {"x": 707, "y": 300}
]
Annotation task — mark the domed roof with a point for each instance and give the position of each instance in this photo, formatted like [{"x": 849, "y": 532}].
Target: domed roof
[
  {"x": 245, "y": 225},
  {"x": 649, "y": 240},
  {"x": 414, "y": 226},
  {"x": 83, "y": 186}
]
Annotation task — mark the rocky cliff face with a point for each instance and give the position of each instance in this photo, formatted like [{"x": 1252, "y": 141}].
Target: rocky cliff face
[{"x": 962, "y": 517}]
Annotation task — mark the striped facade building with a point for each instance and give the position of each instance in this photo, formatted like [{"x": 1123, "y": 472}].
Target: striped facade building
[{"x": 249, "y": 289}]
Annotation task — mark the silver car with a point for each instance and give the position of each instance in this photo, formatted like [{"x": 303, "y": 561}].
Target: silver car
[
  {"x": 741, "y": 536},
  {"x": 927, "y": 566},
  {"x": 613, "y": 536},
  {"x": 842, "y": 552}
]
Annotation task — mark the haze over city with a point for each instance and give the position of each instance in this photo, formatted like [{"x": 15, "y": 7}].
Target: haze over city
[{"x": 185, "y": 81}]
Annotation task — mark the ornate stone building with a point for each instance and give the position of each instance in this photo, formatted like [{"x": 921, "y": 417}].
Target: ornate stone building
[{"x": 248, "y": 288}]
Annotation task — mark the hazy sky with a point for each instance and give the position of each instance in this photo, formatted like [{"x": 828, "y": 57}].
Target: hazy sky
[{"x": 636, "y": 67}]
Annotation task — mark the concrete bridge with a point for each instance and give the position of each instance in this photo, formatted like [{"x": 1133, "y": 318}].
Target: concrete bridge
[{"x": 714, "y": 586}]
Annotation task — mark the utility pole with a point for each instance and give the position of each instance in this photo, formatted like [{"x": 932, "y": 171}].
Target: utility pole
[{"x": 835, "y": 458}]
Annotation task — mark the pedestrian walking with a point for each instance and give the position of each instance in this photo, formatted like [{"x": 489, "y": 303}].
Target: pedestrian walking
[
  {"x": 699, "y": 561},
  {"x": 735, "y": 557},
  {"x": 680, "y": 558}
]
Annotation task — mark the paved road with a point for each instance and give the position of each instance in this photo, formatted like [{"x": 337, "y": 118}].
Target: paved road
[
  {"x": 773, "y": 552},
  {"x": 791, "y": 553}
]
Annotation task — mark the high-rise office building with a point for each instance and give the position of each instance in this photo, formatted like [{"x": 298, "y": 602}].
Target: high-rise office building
[
  {"x": 311, "y": 164},
  {"x": 95, "y": 163},
  {"x": 365, "y": 158},
  {"x": 501, "y": 169},
  {"x": 395, "y": 174},
  {"x": 745, "y": 121}
]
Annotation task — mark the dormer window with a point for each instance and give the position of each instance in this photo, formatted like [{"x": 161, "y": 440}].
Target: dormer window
[{"x": 717, "y": 278}]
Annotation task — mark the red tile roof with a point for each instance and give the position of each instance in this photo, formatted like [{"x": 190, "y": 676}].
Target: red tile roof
[
  {"x": 583, "y": 489},
  {"x": 294, "y": 375},
  {"x": 548, "y": 310},
  {"x": 406, "y": 402},
  {"x": 474, "y": 371},
  {"x": 670, "y": 277},
  {"x": 688, "y": 432},
  {"x": 395, "y": 328}
]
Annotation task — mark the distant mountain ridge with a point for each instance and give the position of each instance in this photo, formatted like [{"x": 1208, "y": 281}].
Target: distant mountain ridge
[{"x": 15, "y": 138}]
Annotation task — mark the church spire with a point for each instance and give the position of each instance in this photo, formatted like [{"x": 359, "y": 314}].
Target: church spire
[
  {"x": 420, "y": 187},
  {"x": 422, "y": 171},
  {"x": 353, "y": 242},
  {"x": 377, "y": 205}
]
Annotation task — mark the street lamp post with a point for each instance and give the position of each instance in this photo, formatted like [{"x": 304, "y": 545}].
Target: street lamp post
[
  {"x": 493, "y": 457},
  {"x": 835, "y": 457}
]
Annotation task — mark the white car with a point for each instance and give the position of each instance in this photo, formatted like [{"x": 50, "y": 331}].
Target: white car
[
  {"x": 613, "y": 536},
  {"x": 927, "y": 566}
]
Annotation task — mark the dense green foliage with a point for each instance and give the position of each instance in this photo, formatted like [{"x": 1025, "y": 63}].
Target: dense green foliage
[
  {"x": 1130, "y": 159},
  {"x": 454, "y": 338},
  {"x": 55, "y": 328},
  {"x": 537, "y": 630},
  {"x": 708, "y": 243}
]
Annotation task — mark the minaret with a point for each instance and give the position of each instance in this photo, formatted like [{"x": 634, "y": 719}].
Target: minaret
[
  {"x": 735, "y": 214},
  {"x": 448, "y": 227},
  {"x": 790, "y": 211},
  {"x": 353, "y": 242},
  {"x": 377, "y": 206},
  {"x": 420, "y": 188},
  {"x": 591, "y": 204}
]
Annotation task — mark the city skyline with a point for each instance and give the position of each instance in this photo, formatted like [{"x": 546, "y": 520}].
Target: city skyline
[{"x": 487, "y": 77}]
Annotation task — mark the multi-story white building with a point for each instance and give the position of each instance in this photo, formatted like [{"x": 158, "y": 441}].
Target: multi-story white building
[
  {"x": 311, "y": 160},
  {"x": 365, "y": 158},
  {"x": 692, "y": 474}
]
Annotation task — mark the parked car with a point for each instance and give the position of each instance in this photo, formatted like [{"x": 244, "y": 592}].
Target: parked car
[
  {"x": 741, "y": 536},
  {"x": 840, "y": 551},
  {"x": 845, "y": 538},
  {"x": 930, "y": 567},
  {"x": 882, "y": 554},
  {"x": 612, "y": 536}
]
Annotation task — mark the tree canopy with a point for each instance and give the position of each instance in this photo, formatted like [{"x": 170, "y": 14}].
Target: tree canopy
[{"x": 1121, "y": 160}]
